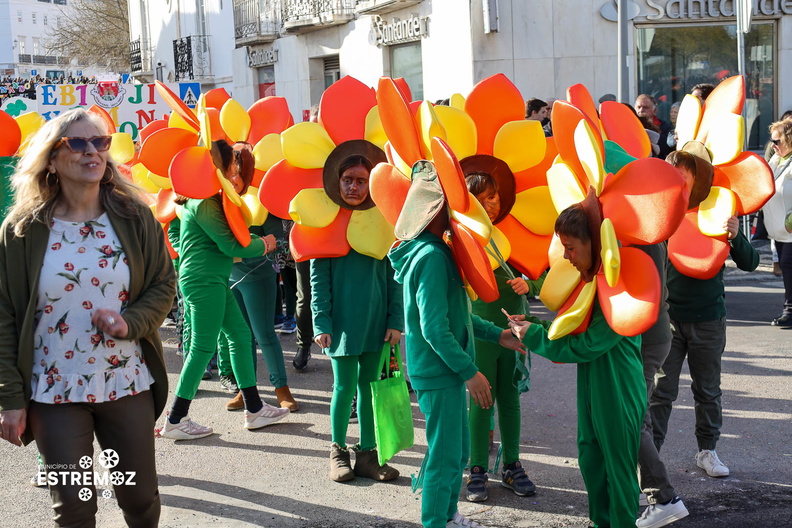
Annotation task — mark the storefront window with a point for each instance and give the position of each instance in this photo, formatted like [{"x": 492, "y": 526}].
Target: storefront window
[
  {"x": 266, "y": 81},
  {"x": 671, "y": 60},
  {"x": 406, "y": 62}
]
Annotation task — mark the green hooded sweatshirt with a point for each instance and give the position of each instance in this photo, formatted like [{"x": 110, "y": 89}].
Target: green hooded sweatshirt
[{"x": 439, "y": 326}]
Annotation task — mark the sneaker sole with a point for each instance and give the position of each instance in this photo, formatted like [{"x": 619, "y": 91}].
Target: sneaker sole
[
  {"x": 257, "y": 424},
  {"x": 178, "y": 435},
  {"x": 286, "y": 331},
  {"x": 527, "y": 494},
  {"x": 668, "y": 520},
  {"x": 710, "y": 474},
  {"x": 476, "y": 499}
]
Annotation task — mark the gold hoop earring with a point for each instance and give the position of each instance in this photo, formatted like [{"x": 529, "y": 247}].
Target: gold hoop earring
[
  {"x": 108, "y": 180},
  {"x": 52, "y": 179}
]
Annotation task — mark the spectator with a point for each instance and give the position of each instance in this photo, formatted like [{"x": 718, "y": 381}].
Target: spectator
[{"x": 645, "y": 106}]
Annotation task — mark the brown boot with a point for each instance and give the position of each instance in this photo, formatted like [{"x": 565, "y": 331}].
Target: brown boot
[
  {"x": 286, "y": 400},
  {"x": 367, "y": 466},
  {"x": 340, "y": 466},
  {"x": 236, "y": 403}
]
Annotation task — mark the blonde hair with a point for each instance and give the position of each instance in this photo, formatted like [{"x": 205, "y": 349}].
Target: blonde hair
[
  {"x": 35, "y": 197},
  {"x": 784, "y": 129}
]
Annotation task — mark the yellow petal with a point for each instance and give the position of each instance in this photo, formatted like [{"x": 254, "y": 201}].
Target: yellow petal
[
  {"x": 571, "y": 319},
  {"x": 561, "y": 280},
  {"x": 471, "y": 292},
  {"x": 29, "y": 123},
  {"x": 688, "y": 119},
  {"x": 179, "y": 211},
  {"x": 521, "y": 144},
  {"x": 369, "y": 233},
  {"x": 140, "y": 177},
  {"x": 228, "y": 189},
  {"x": 313, "y": 208},
  {"x": 476, "y": 220},
  {"x": 504, "y": 246},
  {"x": 726, "y": 138},
  {"x": 235, "y": 121},
  {"x": 589, "y": 155},
  {"x": 713, "y": 212},
  {"x": 122, "y": 148},
  {"x": 268, "y": 151},
  {"x": 204, "y": 122},
  {"x": 555, "y": 252},
  {"x": 254, "y": 212},
  {"x": 534, "y": 209},
  {"x": 460, "y": 130},
  {"x": 307, "y": 145},
  {"x": 160, "y": 181},
  {"x": 564, "y": 187},
  {"x": 177, "y": 121},
  {"x": 430, "y": 127},
  {"x": 611, "y": 258},
  {"x": 374, "y": 131}
]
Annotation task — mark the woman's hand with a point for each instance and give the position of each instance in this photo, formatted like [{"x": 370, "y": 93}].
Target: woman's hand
[
  {"x": 12, "y": 425},
  {"x": 110, "y": 322},
  {"x": 519, "y": 285},
  {"x": 392, "y": 336},
  {"x": 507, "y": 340},
  {"x": 519, "y": 326},
  {"x": 480, "y": 390},
  {"x": 732, "y": 227},
  {"x": 270, "y": 243},
  {"x": 323, "y": 340}
]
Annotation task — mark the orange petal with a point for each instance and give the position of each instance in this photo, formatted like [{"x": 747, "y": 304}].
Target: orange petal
[
  {"x": 269, "y": 115},
  {"x": 631, "y": 305},
  {"x": 388, "y": 188},
  {"x": 282, "y": 183},
  {"x": 214, "y": 125},
  {"x": 750, "y": 178},
  {"x": 537, "y": 176},
  {"x": 565, "y": 118},
  {"x": 695, "y": 254},
  {"x": 193, "y": 174},
  {"x": 104, "y": 116},
  {"x": 177, "y": 105},
  {"x": 451, "y": 176},
  {"x": 11, "y": 136},
  {"x": 727, "y": 97},
  {"x": 528, "y": 250},
  {"x": 171, "y": 251},
  {"x": 258, "y": 175},
  {"x": 344, "y": 107},
  {"x": 403, "y": 88},
  {"x": 398, "y": 121},
  {"x": 326, "y": 242},
  {"x": 579, "y": 96},
  {"x": 473, "y": 261},
  {"x": 216, "y": 98},
  {"x": 623, "y": 127},
  {"x": 162, "y": 146},
  {"x": 236, "y": 221},
  {"x": 146, "y": 131},
  {"x": 492, "y": 103},
  {"x": 165, "y": 210},
  {"x": 645, "y": 200}
]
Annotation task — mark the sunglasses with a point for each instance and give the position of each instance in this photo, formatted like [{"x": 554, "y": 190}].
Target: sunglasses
[
  {"x": 80, "y": 145},
  {"x": 775, "y": 142}
]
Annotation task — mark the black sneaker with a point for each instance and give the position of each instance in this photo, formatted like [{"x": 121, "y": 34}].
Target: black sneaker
[
  {"x": 514, "y": 478},
  {"x": 301, "y": 358},
  {"x": 783, "y": 320},
  {"x": 229, "y": 383},
  {"x": 476, "y": 490},
  {"x": 353, "y": 417}
]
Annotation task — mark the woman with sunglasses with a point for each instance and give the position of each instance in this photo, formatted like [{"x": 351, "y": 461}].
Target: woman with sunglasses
[
  {"x": 778, "y": 209},
  {"x": 85, "y": 282}
]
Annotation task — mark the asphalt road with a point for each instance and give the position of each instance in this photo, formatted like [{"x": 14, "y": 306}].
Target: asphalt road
[{"x": 277, "y": 477}]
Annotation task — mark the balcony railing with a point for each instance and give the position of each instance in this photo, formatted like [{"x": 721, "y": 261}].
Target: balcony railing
[
  {"x": 26, "y": 58},
  {"x": 380, "y": 7},
  {"x": 305, "y": 15},
  {"x": 256, "y": 21},
  {"x": 139, "y": 56},
  {"x": 191, "y": 57}
]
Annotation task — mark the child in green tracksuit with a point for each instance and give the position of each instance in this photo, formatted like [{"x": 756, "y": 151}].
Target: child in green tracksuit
[
  {"x": 610, "y": 390},
  {"x": 440, "y": 331}
]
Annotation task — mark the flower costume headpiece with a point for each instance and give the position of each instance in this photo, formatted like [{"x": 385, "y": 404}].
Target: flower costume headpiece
[
  {"x": 179, "y": 156},
  {"x": 727, "y": 180},
  {"x": 304, "y": 185},
  {"x": 626, "y": 200}
]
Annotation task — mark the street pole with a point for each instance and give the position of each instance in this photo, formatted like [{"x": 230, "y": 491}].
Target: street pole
[
  {"x": 622, "y": 70},
  {"x": 743, "y": 8}
]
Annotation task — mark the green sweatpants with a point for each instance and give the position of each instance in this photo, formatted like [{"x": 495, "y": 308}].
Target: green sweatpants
[
  {"x": 447, "y": 452},
  {"x": 211, "y": 310},
  {"x": 351, "y": 373},
  {"x": 497, "y": 364}
]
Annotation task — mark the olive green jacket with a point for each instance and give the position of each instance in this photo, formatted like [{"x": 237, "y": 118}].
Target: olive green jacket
[{"x": 151, "y": 289}]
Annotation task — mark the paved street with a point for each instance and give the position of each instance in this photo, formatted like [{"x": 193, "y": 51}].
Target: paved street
[{"x": 277, "y": 477}]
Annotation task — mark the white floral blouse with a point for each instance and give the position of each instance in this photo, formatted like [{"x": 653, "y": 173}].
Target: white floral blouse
[{"x": 84, "y": 269}]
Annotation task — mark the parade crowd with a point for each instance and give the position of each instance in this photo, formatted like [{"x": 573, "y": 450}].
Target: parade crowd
[{"x": 87, "y": 278}]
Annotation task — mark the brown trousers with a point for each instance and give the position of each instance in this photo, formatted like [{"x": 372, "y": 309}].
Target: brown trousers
[{"x": 64, "y": 434}]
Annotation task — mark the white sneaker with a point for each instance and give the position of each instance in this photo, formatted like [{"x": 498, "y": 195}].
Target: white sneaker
[
  {"x": 267, "y": 415},
  {"x": 186, "y": 429},
  {"x": 459, "y": 520},
  {"x": 657, "y": 515},
  {"x": 709, "y": 462}
]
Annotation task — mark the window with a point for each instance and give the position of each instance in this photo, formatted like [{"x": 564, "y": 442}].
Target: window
[
  {"x": 60, "y": 2},
  {"x": 45, "y": 20},
  {"x": 21, "y": 45},
  {"x": 34, "y": 17},
  {"x": 671, "y": 60},
  {"x": 35, "y": 46},
  {"x": 405, "y": 60},
  {"x": 332, "y": 70},
  {"x": 19, "y": 16}
]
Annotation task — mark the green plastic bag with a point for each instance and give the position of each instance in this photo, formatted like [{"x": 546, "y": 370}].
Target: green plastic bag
[{"x": 393, "y": 421}]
